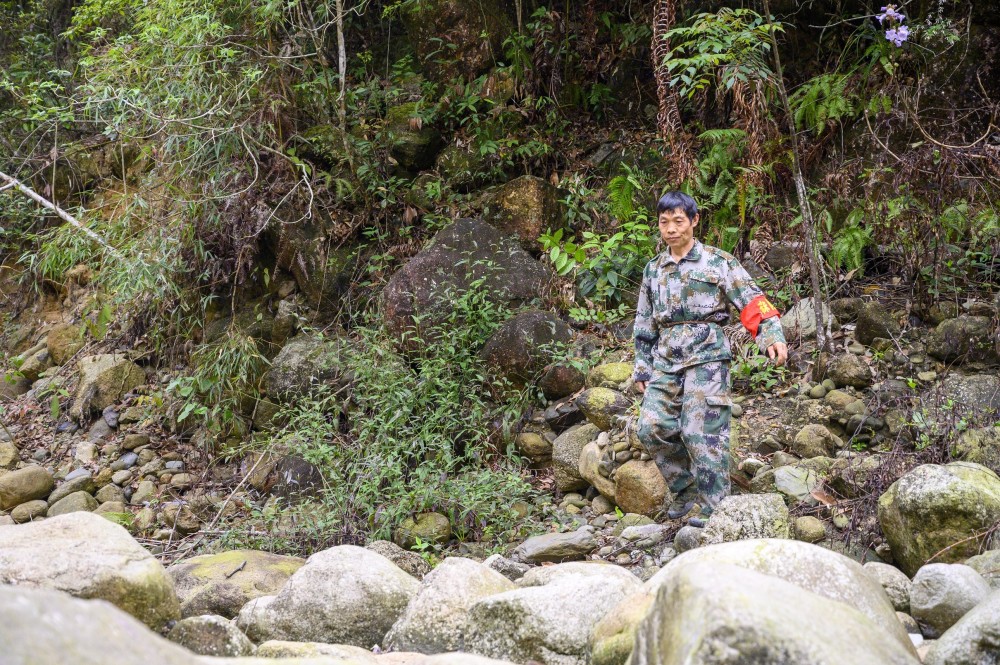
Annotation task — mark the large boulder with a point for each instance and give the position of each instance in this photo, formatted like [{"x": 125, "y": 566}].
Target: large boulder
[
  {"x": 964, "y": 339},
  {"x": 939, "y": 511},
  {"x": 454, "y": 38},
  {"x": 640, "y": 487},
  {"x": 521, "y": 348},
  {"x": 44, "y": 627},
  {"x": 566, "y": 452},
  {"x": 544, "y": 620},
  {"x": 810, "y": 567},
  {"x": 975, "y": 395},
  {"x": 104, "y": 380},
  {"x": 89, "y": 556},
  {"x": 343, "y": 595},
  {"x": 27, "y": 484},
  {"x": 747, "y": 517},
  {"x": 436, "y": 620},
  {"x": 419, "y": 297},
  {"x": 225, "y": 582},
  {"x": 525, "y": 208},
  {"x": 713, "y": 613},
  {"x": 875, "y": 320},
  {"x": 308, "y": 361},
  {"x": 973, "y": 640},
  {"x": 943, "y": 593}
]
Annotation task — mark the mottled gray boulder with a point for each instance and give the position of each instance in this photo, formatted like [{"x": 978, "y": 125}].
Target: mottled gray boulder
[
  {"x": 848, "y": 369},
  {"x": 980, "y": 445},
  {"x": 566, "y": 451},
  {"x": 104, "y": 379},
  {"x": 971, "y": 395},
  {"x": 550, "y": 617},
  {"x": 211, "y": 635},
  {"x": 714, "y": 613},
  {"x": 796, "y": 482},
  {"x": 88, "y": 556},
  {"x": 223, "y": 583},
  {"x": 409, "y": 562},
  {"x": 82, "y": 483},
  {"x": 557, "y": 547},
  {"x": 964, "y": 339},
  {"x": 306, "y": 362},
  {"x": 436, "y": 620},
  {"x": 800, "y": 320},
  {"x": 815, "y": 440},
  {"x": 810, "y": 567},
  {"x": 27, "y": 484},
  {"x": 420, "y": 296},
  {"x": 973, "y": 640},
  {"x": 939, "y": 511},
  {"x": 942, "y": 593},
  {"x": 874, "y": 320},
  {"x": 894, "y": 581},
  {"x": 77, "y": 501},
  {"x": 748, "y": 516},
  {"x": 46, "y": 627},
  {"x": 343, "y": 595},
  {"x": 987, "y": 564},
  {"x": 521, "y": 348}
]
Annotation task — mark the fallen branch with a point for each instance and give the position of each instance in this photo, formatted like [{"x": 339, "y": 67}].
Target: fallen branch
[{"x": 65, "y": 216}]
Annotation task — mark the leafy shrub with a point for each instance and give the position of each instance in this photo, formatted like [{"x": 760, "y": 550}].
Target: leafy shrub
[{"x": 418, "y": 436}]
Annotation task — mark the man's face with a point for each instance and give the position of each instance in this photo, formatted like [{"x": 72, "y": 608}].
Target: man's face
[{"x": 676, "y": 228}]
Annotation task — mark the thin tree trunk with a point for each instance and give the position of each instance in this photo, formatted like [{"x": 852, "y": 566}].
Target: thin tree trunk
[
  {"x": 65, "y": 216},
  {"x": 341, "y": 68},
  {"x": 801, "y": 192}
]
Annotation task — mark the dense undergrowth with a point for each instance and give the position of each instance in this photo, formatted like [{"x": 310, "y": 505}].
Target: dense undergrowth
[{"x": 192, "y": 134}]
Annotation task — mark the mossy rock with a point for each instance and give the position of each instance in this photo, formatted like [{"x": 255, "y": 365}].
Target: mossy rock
[
  {"x": 429, "y": 527},
  {"x": 462, "y": 168},
  {"x": 525, "y": 208},
  {"x": 63, "y": 342},
  {"x": 602, "y": 406},
  {"x": 609, "y": 375},
  {"x": 939, "y": 511},
  {"x": 980, "y": 445},
  {"x": 455, "y": 38},
  {"x": 223, "y": 583},
  {"x": 964, "y": 339},
  {"x": 414, "y": 145}
]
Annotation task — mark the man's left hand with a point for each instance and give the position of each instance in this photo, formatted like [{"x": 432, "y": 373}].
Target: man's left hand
[{"x": 778, "y": 352}]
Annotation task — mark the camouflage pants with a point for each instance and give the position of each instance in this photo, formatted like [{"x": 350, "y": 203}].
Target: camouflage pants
[{"x": 684, "y": 424}]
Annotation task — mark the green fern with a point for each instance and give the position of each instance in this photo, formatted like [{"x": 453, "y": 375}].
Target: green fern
[
  {"x": 621, "y": 197},
  {"x": 822, "y": 101},
  {"x": 850, "y": 243}
]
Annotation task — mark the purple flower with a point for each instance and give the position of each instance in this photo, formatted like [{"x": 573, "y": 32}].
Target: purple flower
[
  {"x": 897, "y": 35},
  {"x": 890, "y": 14}
]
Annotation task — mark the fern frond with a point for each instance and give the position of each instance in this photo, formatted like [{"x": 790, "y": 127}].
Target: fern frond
[{"x": 621, "y": 197}]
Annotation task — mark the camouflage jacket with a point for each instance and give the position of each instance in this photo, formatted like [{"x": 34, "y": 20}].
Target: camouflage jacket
[{"x": 694, "y": 289}]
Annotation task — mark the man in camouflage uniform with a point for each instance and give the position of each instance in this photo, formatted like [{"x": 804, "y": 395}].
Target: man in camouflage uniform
[{"x": 682, "y": 357}]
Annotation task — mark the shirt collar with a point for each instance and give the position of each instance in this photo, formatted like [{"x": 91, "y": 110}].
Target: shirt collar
[{"x": 694, "y": 254}]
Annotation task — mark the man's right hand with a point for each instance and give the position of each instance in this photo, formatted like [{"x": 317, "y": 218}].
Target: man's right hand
[{"x": 640, "y": 386}]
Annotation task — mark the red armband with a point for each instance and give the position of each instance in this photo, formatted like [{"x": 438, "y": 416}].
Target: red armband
[{"x": 760, "y": 308}]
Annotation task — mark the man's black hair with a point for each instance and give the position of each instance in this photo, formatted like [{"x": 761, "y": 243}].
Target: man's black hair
[{"x": 677, "y": 201}]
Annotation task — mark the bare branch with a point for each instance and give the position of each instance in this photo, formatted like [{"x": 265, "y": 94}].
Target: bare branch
[{"x": 65, "y": 216}]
